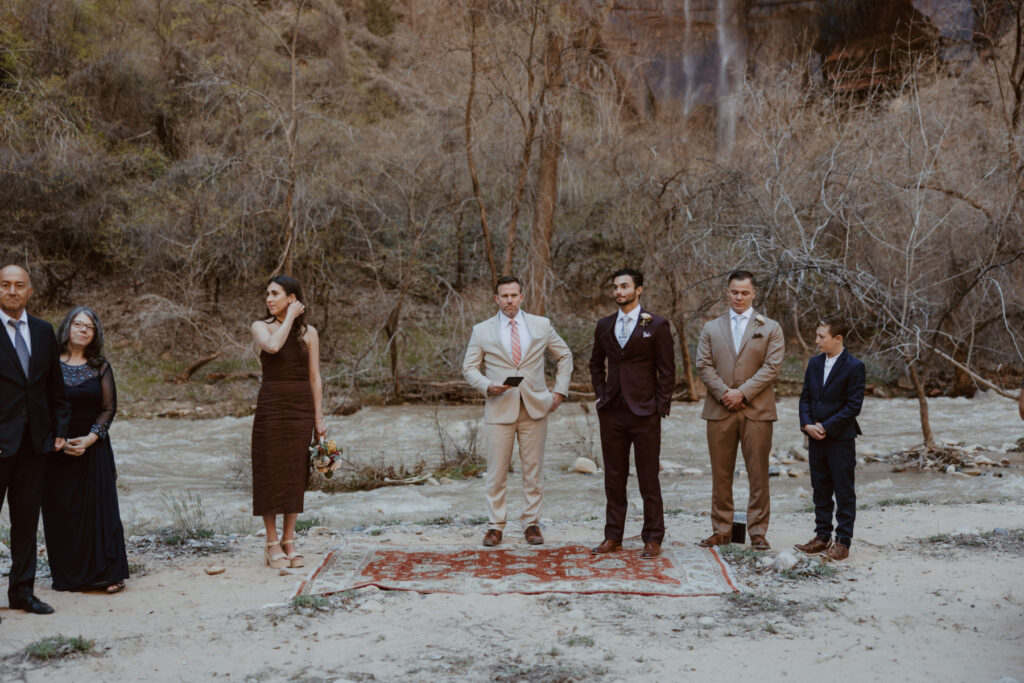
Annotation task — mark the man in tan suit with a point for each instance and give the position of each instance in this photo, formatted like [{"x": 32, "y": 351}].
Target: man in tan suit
[
  {"x": 738, "y": 358},
  {"x": 512, "y": 345}
]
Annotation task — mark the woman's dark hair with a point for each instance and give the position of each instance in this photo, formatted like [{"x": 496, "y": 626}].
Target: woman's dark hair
[
  {"x": 291, "y": 286},
  {"x": 94, "y": 351}
]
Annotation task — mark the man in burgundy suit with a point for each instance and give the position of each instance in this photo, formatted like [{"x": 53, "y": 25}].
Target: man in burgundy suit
[{"x": 633, "y": 369}]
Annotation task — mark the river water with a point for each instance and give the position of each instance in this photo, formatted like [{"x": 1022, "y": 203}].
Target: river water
[{"x": 164, "y": 460}]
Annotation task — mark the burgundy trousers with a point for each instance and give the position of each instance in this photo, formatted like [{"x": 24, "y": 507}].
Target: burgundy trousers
[{"x": 620, "y": 430}]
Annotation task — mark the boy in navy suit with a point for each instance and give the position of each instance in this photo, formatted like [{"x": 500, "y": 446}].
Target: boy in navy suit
[{"x": 829, "y": 404}]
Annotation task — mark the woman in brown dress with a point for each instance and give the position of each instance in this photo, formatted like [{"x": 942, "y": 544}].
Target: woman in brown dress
[{"x": 288, "y": 411}]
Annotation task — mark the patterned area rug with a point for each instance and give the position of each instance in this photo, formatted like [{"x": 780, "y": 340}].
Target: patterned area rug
[{"x": 682, "y": 570}]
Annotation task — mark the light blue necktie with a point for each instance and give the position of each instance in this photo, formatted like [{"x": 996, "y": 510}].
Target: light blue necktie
[
  {"x": 737, "y": 336},
  {"x": 19, "y": 345},
  {"x": 623, "y": 335}
]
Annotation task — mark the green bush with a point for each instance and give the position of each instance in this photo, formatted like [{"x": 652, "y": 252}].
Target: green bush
[{"x": 58, "y": 646}]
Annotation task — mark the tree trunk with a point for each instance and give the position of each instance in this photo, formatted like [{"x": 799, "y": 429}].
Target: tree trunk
[
  {"x": 291, "y": 136},
  {"x": 680, "y": 322},
  {"x": 922, "y": 401},
  {"x": 289, "y": 225},
  {"x": 468, "y": 129},
  {"x": 517, "y": 197},
  {"x": 391, "y": 329},
  {"x": 187, "y": 373},
  {"x": 547, "y": 185},
  {"x": 805, "y": 351},
  {"x": 964, "y": 384},
  {"x": 460, "y": 267}
]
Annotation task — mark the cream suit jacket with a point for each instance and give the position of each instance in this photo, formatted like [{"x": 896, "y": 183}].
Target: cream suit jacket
[
  {"x": 753, "y": 370},
  {"x": 487, "y": 362}
]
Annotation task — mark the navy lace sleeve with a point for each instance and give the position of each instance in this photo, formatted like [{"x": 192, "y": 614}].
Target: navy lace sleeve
[{"x": 108, "y": 402}]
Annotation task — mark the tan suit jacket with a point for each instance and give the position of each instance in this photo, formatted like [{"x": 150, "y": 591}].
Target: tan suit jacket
[
  {"x": 753, "y": 370},
  {"x": 487, "y": 362}
]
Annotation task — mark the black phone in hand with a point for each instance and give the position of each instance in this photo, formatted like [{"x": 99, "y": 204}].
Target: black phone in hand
[{"x": 512, "y": 381}]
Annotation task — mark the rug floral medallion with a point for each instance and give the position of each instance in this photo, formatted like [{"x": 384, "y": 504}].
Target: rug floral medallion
[{"x": 682, "y": 570}]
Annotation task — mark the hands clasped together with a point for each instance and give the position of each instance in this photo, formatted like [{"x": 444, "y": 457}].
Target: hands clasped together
[
  {"x": 78, "y": 445},
  {"x": 815, "y": 431},
  {"x": 734, "y": 400}
]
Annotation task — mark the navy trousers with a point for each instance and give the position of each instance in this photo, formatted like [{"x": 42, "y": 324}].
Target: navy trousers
[{"x": 832, "y": 463}]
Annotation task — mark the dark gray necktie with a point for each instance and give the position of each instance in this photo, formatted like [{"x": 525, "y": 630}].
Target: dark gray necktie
[{"x": 19, "y": 345}]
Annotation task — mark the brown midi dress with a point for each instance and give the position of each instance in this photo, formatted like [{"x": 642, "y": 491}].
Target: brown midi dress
[{"x": 282, "y": 431}]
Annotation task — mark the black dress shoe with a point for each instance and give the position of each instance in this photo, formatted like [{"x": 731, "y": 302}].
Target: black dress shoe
[{"x": 31, "y": 604}]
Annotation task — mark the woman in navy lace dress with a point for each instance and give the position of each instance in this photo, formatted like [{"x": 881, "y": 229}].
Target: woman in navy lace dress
[{"x": 84, "y": 536}]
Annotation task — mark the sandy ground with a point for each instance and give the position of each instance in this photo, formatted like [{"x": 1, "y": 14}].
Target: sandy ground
[{"x": 902, "y": 607}]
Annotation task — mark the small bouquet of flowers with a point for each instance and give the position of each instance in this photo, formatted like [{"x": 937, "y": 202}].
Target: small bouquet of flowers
[{"x": 325, "y": 457}]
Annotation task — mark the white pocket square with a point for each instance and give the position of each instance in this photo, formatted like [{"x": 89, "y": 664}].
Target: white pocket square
[{"x": 646, "y": 335}]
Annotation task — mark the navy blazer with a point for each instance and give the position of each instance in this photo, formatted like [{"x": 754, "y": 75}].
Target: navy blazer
[
  {"x": 837, "y": 404},
  {"x": 39, "y": 399},
  {"x": 644, "y": 371}
]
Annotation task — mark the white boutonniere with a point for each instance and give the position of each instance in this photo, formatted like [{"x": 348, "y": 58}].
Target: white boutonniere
[
  {"x": 758, "y": 321},
  {"x": 645, "y": 319}
]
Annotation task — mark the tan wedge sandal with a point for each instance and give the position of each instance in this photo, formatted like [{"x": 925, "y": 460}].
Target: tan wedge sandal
[
  {"x": 278, "y": 561},
  {"x": 294, "y": 558}
]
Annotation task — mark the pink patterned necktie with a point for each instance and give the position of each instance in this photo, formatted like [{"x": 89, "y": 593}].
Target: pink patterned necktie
[{"x": 517, "y": 352}]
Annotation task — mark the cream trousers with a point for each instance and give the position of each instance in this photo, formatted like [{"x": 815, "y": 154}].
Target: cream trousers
[{"x": 500, "y": 439}]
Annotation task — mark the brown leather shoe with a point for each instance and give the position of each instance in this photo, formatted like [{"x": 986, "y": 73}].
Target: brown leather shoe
[
  {"x": 607, "y": 546},
  {"x": 651, "y": 550},
  {"x": 812, "y": 547},
  {"x": 836, "y": 552},
  {"x": 759, "y": 543},
  {"x": 492, "y": 537},
  {"x": 533, "y": 535},
  {"x": 716, "y": 539}
]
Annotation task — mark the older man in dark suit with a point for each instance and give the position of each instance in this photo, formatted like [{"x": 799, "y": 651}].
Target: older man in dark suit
[
  {"x": 34, "y": 414},
  {"x": 830, "y": 402},
  {"x": 633, "y": 370}
]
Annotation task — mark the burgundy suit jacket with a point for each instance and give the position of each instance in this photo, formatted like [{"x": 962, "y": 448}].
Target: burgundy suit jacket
[{"x": 643, "y": 372}]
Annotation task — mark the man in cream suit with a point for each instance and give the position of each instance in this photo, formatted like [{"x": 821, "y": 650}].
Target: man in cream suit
[
  {"x": 738, "y": 358},
  {"x": 512, "y": 344}
]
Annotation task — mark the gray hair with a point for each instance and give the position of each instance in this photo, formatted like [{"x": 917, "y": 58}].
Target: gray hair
[{"x": 94, "y": 351}]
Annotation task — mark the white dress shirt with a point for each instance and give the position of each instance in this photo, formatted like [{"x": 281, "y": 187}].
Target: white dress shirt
[
  {"x": 630, "y": 323},
  {"x": 505, "y": 327},
  {"x": 739, "y": 322},
  {"x": 24, "y": 329},
  {"x": 829, "y": 362}
]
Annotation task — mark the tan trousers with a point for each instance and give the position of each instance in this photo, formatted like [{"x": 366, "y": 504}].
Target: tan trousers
[
  {"x": 755, "y": 439},
  {"x": 500, "y": 439}
]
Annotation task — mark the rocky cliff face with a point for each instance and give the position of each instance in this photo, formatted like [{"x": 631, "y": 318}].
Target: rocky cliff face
[{"x": 694, "y": 52}]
